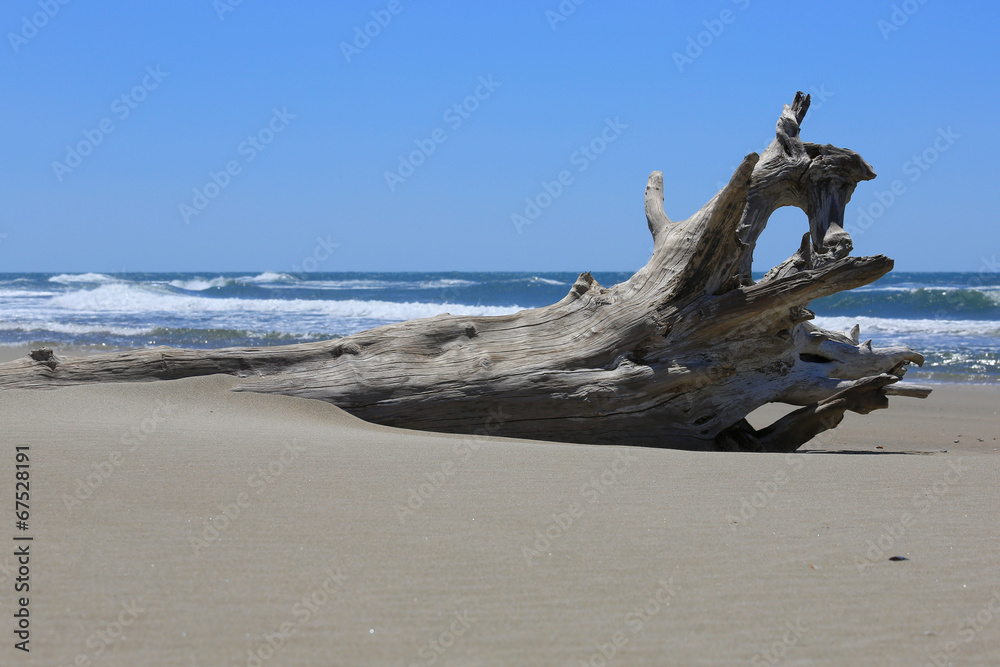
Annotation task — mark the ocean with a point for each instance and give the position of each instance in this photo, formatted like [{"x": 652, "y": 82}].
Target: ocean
[{"x": 953, "y": 319}]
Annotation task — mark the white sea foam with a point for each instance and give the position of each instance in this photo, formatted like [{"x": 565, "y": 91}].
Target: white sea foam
[
  {"x": 199, "y": 284},
  {"x": 132, "y": 299},
  {"x": 547, "y": 281},
  {"x": 992, "y": 290},
  {"x": 446, "y": 282},
  {"x": 24, "y": 293},
  {"x": 76, "y": 329},
  {"x": 266, "y": 277},
  {"x": 74, "y": 278},
  {"x": 202, "y": 284},
  {"x": 889, "y": 325},
  {"x": 375, "y": 283}
]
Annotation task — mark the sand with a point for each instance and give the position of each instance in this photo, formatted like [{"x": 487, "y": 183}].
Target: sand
[{"x": 179, "y": 523}]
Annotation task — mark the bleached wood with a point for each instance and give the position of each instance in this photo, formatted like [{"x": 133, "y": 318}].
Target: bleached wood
[{"x": 676, "y": 356}]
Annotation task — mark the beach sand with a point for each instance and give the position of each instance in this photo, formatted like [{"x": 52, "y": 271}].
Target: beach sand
[{"x": 179, "y": 523}]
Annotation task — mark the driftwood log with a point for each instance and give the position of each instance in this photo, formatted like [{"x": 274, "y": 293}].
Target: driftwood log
[{"x": 677, "y": 356}]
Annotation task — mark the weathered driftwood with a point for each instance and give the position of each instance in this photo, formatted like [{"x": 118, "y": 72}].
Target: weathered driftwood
[{"x": 676, "y": 356}]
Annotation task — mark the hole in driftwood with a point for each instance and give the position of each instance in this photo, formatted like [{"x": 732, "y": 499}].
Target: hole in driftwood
[
  {"x": 814, "y": 358},
  {"x": 780, "y": 239},
  {"x": 769, "y": 413}
]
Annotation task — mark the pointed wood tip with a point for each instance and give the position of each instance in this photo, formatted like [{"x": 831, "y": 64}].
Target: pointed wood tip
[
  {"x": 800, "y": 105},
  {"x": 655, "y": 215},
  {"x": 911, "y": 390},
  {"x": 583, "y": 284}
]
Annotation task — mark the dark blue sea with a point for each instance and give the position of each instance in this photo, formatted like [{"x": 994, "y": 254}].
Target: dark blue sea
[{"x": 951, "y": 318}]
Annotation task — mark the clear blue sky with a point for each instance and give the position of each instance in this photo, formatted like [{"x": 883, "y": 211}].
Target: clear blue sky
[{"x": 219, "y": 81}]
